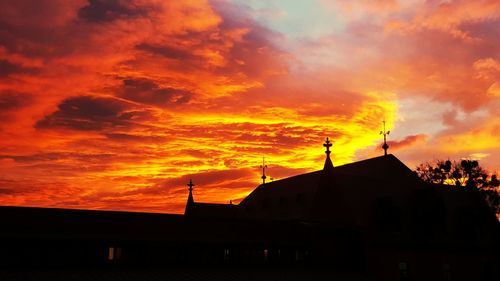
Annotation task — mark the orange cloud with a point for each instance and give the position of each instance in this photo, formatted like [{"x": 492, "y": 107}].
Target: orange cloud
[{"x": 116, "y": 104}]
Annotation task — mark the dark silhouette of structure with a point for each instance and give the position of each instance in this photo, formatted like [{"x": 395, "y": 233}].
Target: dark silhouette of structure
[
  {"x": 374, "y": 217},
  {"x": 385, "y": 146},
  {"x": 190, "y": 196},
  {"x": 263, "y": 167}
]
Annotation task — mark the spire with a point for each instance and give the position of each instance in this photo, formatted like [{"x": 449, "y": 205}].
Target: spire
[
  {"x": 327, "y": 191},
  {"x": 328, "y": 161},
  {"x": 190, "y": 203},
  {"x": 385, "y": 146},
  {"x": 264, "y": 167},
  {"x": 190, "y": 197}
]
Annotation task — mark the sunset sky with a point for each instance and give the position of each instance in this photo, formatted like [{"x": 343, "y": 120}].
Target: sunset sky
[{"x": 116, "y": 104}]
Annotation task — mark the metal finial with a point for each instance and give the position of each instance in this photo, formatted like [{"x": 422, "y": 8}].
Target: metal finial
[
  {"x": 264, "y": 167},
  {"x": 385, "y": 146},
  {"x": 190, "y": 184},
  {"x": 327, "y": 144}
]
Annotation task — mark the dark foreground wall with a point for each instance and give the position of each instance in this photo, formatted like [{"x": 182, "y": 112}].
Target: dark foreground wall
[
  {"x": 35, "y": 236},
  {"x": 53, "y": 238},
  {"x": 184, "y": 273}
]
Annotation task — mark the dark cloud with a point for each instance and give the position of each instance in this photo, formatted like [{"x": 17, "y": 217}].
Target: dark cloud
[
  {"x": 44, "y": 28},
  {"x": 11, "y": 100},
  {"x": 135, "y": 138},
  {"x": 149, "y": 92},
  {"x": 36, "y": 41},
  {"x": 6, "y": 191},
  {"x": 16, "y": 187},
  {"x": 88, "y": 113},
  {"x": 7, "y": 68},
  {"x": 407, "y": 141},
  {"x": 109, "y": 10}
]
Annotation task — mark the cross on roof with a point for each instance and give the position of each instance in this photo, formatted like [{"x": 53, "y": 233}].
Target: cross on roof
[
  {"x": 190, "y": 184},
  {"x": 327, "y": 144}
]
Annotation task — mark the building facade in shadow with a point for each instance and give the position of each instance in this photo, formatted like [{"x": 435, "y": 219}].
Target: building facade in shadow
[{"x": 374, "y": 217}]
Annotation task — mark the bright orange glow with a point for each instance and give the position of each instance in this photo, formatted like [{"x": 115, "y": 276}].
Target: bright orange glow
[{"x": 117, "y": 106}]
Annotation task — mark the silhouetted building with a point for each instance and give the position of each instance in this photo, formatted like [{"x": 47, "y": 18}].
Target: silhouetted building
[
  {"x": 379, "y": 213},
  {"x": 211, "y": 210},
  {"x": 374, "y": 217}
]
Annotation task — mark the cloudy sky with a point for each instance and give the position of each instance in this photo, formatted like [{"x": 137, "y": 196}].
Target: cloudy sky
[{"x": 115, "y": 104}]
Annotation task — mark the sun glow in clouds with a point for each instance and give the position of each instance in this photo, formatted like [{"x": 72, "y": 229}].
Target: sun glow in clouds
[{"x": 116, "y": 104}]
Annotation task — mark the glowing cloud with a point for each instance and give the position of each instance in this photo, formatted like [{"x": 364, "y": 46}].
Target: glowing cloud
[{"x": 116, "y": 104}]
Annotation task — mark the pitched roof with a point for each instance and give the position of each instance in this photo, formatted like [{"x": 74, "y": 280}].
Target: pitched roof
[
  {"x": 386, "y": 166},
  {"x": 277, "y": 198},
  {"x": 296, "y": 197}
]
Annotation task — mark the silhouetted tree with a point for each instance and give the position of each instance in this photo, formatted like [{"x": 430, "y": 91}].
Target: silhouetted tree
[{"x": 466, "y": 173}]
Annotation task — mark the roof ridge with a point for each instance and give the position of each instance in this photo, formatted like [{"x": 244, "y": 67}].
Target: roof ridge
[
  {"x": 287, "y": 178},
  {"x": 391, "y": 156}
]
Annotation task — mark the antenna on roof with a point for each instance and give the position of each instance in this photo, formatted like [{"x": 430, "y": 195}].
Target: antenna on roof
[
  {"x": 264, "y": 167},
  {"x": 385, "y": 146}
]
